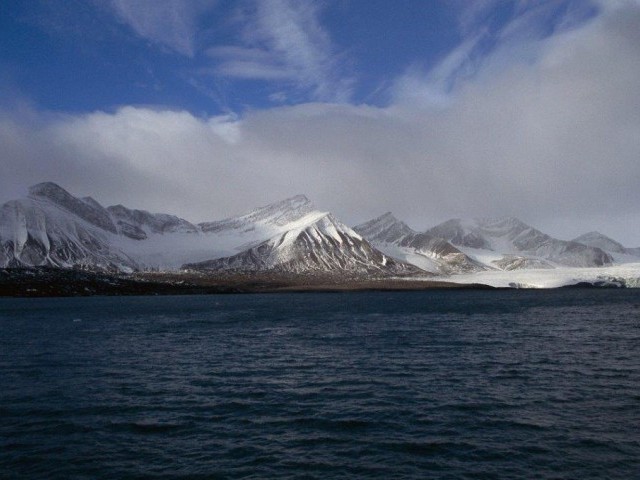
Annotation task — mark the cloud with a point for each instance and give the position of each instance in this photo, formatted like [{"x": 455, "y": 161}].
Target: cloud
[
  {"x": 490, "y": 44},
  {"x": 170, "y": 23},
  {"x": 284, "y": 40},
  {"x": 554, "y": 141},
  {"x": 281, "y": 41}
]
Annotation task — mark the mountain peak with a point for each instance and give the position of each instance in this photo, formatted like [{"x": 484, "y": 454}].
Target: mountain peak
[
  {"x": 504, "y": 221},
  {"x": 599, "y": 240},
  {"x": 284, "y": 211},
  {"x": 277, "y": 214},
  {"x": 291, "y": 202},
  {"x": 385, "y": 228},
  {"x": 387, "y": 219},
  {"x": 87, "y": 209},
  {"x": 49, "y": 190}
]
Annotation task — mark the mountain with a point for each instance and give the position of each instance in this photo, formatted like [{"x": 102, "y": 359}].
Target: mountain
[
  {"x": 318, "y": 243},
  {"x": 398, "y": 240},
  {"x": 634, "y": 251},
  {"x": 140, "y": 224},
  {"x": 508, "y": 243},
  {"x": 598, "y": 240},
  {"x": 616, "y": 249},
  {"x": 273, "y": 216},
  {"x": 51, "y": 227}
]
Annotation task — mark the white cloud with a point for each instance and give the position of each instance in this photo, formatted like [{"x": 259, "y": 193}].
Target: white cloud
[
  {"x": 488, "y": 46},
  {"x": 433, "y": 87},
  {"x": 557, "y": 138}
]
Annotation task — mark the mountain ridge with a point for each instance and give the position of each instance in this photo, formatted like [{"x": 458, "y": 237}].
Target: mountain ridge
[
  {"x": 396, "y": 238},
  {"x": 52, "y": 227}
]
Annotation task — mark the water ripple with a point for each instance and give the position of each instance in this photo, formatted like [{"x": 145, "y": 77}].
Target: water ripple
[{"x": 436, "y": 385}]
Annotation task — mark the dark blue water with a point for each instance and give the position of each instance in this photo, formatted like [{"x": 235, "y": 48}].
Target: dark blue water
[{"x": 444, "y": 384}]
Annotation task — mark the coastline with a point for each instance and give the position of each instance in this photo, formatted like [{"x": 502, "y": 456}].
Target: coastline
[{"x": 51, "y": 282}]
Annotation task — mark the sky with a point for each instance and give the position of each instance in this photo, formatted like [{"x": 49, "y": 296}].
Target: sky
[{"x": 431, "y": 109}]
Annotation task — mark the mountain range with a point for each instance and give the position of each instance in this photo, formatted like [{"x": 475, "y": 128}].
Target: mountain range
[{"x": 51, "y": 227}]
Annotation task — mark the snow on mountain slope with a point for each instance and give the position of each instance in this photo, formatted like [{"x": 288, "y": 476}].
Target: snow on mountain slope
[
  {"x": 398, "y": 240},
  {"x": 224, "y": 238},
  {"x": 52, "y": 227},
  {"x": 274, "y": 216},
  {"x": 598, "y": 240},
  {"x": 317, "y": 243},
  {"x": 517, "y": 245},
  {"x": 46, "y": 231},
  {"x": 620, "y": 253},
  {"x": 167, "y": 242},
  {"x": 626, "y": 275},
  {"x": 140, "y": 224},
  {"x": 87, "y": 209}
]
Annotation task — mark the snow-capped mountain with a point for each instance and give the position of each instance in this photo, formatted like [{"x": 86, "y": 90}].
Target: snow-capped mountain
[
  {"x": 318, "y": 243},
  {"x": 274, "y": 216},
  {"x": 616, "y": 249},
  {"x": 52, "y": 227},
  {"x": 140, "y": 224},
  {"x": 397, "y": 239},
  {"x": 508, "y": 243}
]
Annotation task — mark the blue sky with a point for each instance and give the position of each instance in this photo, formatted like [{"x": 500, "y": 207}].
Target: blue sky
[
  {"x": 212, "y": 57},
  {"x": 432, "y": 109}
]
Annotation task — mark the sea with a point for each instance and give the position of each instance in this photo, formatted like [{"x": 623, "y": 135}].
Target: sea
[{"x": 441, "y": 384}]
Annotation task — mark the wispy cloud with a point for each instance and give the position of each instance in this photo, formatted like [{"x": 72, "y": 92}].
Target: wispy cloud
[
  {"x": 170, "y": 23},
  {"x": 494, "y": 35},
  {"x": 281, "y": 41},
  {"x": 284, "y": 40}
]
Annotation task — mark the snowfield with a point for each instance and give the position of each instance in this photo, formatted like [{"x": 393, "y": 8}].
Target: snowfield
[{"x": 626, "y": 275}]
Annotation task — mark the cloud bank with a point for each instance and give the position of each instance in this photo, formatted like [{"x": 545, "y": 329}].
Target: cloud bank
[{"x": 555, "y": 141}]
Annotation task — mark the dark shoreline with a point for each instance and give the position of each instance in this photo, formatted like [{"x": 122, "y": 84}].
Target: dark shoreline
[{"x": 52, "y": 282}]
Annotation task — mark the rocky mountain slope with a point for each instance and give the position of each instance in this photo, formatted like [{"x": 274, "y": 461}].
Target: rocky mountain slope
[
  {"x": 318, "y": 243},
  {"x": 396, "y": 239},
  {"x": 508, "y": 243},
  {"x": 53, "y": 228}
]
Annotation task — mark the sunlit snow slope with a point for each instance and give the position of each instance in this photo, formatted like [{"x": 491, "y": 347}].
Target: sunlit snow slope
[{"x": 52, "y": 227}]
